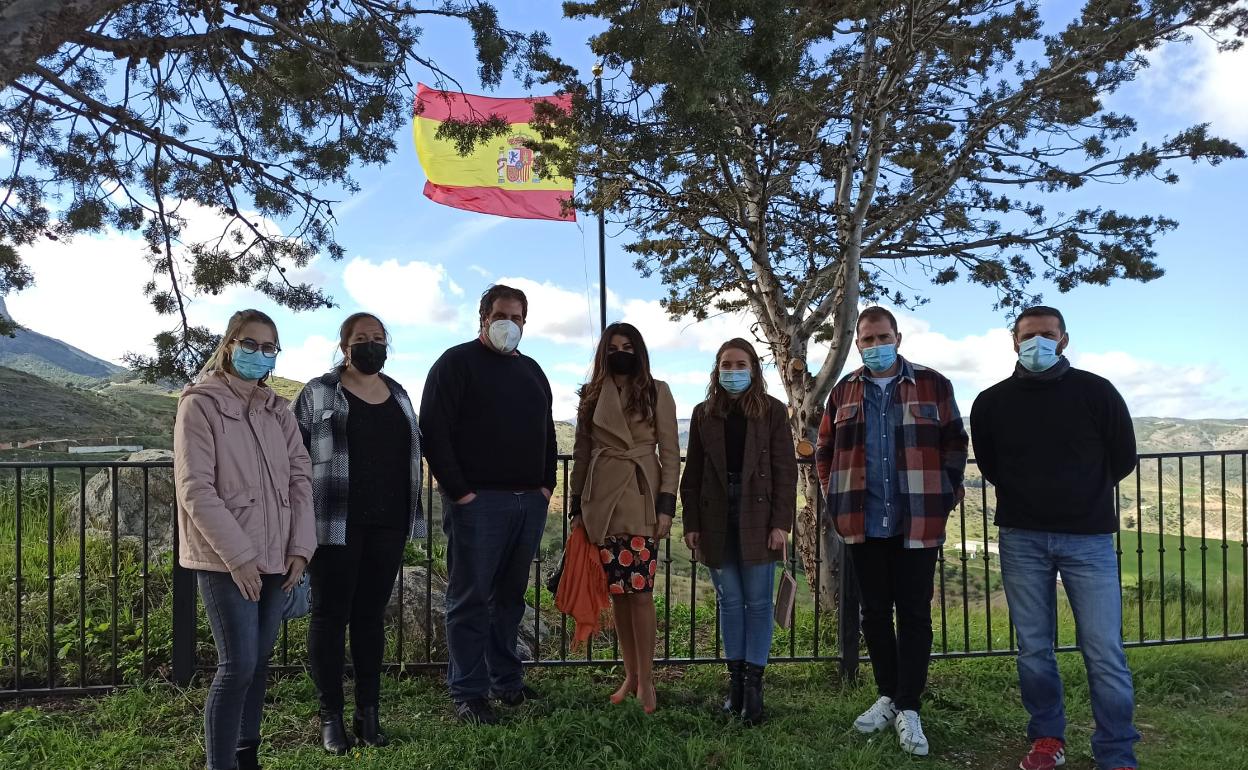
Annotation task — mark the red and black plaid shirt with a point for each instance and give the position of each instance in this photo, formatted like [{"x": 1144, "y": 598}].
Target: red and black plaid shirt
[{"x": 931, "y": 455}]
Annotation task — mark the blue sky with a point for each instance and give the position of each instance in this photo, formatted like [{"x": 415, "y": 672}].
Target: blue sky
[{"x": 1172, "y": 346}]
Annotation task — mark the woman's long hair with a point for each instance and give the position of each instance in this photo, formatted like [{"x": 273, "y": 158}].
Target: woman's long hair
[
  {"x": 753, "y": 401},
  {"x": 640, "y": 389},
  {"x": 221, "y": 360}
]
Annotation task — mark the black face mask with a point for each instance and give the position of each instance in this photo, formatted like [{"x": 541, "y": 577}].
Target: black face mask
[
  {"x": 368, "y": 357},
  {"x": 621, "y": 362}
]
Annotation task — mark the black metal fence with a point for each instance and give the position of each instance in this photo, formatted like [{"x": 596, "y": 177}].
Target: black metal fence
[{"x": 91, "y": 596}]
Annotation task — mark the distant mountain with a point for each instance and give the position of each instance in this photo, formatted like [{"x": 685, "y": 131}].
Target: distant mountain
[
  {"x": 1171, "y": 434},
  {"x": 50, "y": 358}
]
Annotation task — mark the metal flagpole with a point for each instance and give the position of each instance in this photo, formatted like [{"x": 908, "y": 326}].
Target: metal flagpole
[{"x": 602, "y": 225}]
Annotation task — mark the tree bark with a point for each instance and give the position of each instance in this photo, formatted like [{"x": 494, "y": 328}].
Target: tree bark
[
  {"x": 806, "y": 395},
  {"x": 33, "y": 29}
]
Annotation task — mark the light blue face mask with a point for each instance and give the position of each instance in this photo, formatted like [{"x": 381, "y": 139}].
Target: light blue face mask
[
  {"x": 251, "y": 366},
  {"x": 1037, "y": 354},
  {"x": 881, "y": 357},
  {"x": 734, "y": 380}
]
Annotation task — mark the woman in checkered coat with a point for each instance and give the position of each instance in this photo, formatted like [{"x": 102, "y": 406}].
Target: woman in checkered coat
[{"x": 361, "y": 432}]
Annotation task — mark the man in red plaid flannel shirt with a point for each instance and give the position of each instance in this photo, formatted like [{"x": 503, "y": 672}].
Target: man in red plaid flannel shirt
[{"x": 891, "y": 454}]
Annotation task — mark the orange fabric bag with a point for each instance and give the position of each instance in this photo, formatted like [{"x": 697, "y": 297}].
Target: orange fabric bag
[{"x": 583, "y": 587}]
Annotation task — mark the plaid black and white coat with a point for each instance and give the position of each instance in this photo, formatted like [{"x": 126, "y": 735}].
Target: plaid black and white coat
[{"x": 321, "y": 410}]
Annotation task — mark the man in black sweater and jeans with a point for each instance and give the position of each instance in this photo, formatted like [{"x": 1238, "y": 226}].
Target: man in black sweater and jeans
[
  {"x": 1054, "y": 441},
  {"x": 489, "y": 437}
]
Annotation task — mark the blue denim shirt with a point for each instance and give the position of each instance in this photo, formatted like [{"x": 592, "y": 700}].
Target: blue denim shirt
[{"x": 883, "y": 414}]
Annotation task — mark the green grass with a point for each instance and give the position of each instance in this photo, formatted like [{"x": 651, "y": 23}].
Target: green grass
[
  {"x": 973, "y": 719},
  {"x": 1183, "y": 557}
]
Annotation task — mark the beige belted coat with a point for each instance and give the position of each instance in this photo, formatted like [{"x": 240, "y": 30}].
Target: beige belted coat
[{"x": 625, "y": 465}]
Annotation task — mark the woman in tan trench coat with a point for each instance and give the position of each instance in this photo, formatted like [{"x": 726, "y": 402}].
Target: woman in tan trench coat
[{"x": 623, "y": 487}]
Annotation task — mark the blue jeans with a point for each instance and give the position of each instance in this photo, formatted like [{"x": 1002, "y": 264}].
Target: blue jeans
[
  {"x": 744, "y": 595},
  {"x": 1088, "y": 565},
  {"x": 244, "y": 632},
  {"x": 491, "y": 543}
]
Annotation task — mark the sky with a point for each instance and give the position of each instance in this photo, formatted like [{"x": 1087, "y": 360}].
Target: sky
[{"x": 1173, "y": 346}]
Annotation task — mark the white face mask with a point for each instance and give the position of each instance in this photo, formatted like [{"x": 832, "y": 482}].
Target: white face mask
[{"x": 504, "y": 335}]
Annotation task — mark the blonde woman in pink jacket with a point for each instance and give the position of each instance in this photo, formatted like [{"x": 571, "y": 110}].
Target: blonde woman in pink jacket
[{"x": 245, "y": 522}]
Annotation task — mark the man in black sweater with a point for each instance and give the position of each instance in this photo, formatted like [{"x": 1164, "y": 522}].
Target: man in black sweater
[
  {"x": 1053, "y": 441},
  {"x": 489, "y": 437}
]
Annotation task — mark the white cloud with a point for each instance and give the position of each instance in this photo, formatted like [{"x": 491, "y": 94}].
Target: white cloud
[
  {"x": 87, "y": 293},
  {"x": 1197, "y": 80},
  {"x": 405, "y": 294},
  {"x": 565, "y": 400},
  {"x": 313, "y": 356},
  {"x": 87, "y": 290},
  {"x": 974, "y": 362},
  {"x": 556, "y": 314},
  {"x": 1155, "y": 389},
  {"x": 663, "y": 333}
]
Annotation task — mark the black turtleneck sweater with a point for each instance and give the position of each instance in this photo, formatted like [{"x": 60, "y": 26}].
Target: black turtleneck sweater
[{"x": 1054, "y": 448}]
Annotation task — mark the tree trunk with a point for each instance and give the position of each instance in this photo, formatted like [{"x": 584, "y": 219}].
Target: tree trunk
[
  {"x": 806, "y": 395},
  {"x": 33, "y": 29}
]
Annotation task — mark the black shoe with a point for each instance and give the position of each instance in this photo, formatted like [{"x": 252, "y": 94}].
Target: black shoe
[
  {"x": 736, "y": 687},
  {"x": 334, "y": 734},
  {"x": 368, "y": 727},
  {"x": 476, "y": 711},
  {"x": 518, "y": 697},
  {"x": 245, "y": 756},
  {"x": 752, "y": 695}
]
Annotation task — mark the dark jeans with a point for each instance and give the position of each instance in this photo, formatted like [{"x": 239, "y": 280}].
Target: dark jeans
[
  {"x": 351, "y": 586},
  {"x": 1088, "y": 564},
  {"x": 491, "y": 543},
  {"x": 889, "y": 577},
  {"x": 244, "y": 632}
]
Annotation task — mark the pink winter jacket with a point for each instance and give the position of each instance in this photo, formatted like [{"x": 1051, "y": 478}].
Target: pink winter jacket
[{"x": 231, "y": 508}]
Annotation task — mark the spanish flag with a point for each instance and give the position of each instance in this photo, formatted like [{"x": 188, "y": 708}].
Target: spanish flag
[{"x": 497, "y": 177}]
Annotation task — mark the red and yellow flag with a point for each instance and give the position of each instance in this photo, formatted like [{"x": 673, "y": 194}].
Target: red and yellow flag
[{"x": 497, "y": 177}]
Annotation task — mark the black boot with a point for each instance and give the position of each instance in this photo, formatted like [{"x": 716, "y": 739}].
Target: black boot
[
  {"x": 752, "y": 700},
  {"x": 736, "y": 685},
  {"x": 368, "y": 727},
  {"x": 245, "y": 756},
  {"x": 334, "y": 734}
]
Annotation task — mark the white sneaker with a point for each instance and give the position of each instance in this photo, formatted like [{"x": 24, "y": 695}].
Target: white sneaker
[
  {"x": 876, "y": 718},
  {"x": 910, "y": 733}
]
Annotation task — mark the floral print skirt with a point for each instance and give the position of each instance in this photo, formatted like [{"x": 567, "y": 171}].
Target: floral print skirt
[{"x": 630, "y": 562}]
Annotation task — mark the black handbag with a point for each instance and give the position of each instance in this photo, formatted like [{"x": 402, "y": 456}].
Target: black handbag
[{"x": 552, "y": 580}]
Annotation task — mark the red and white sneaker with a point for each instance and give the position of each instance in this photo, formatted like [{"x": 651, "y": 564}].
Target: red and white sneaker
[{"x": 1045, "y": 754}]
